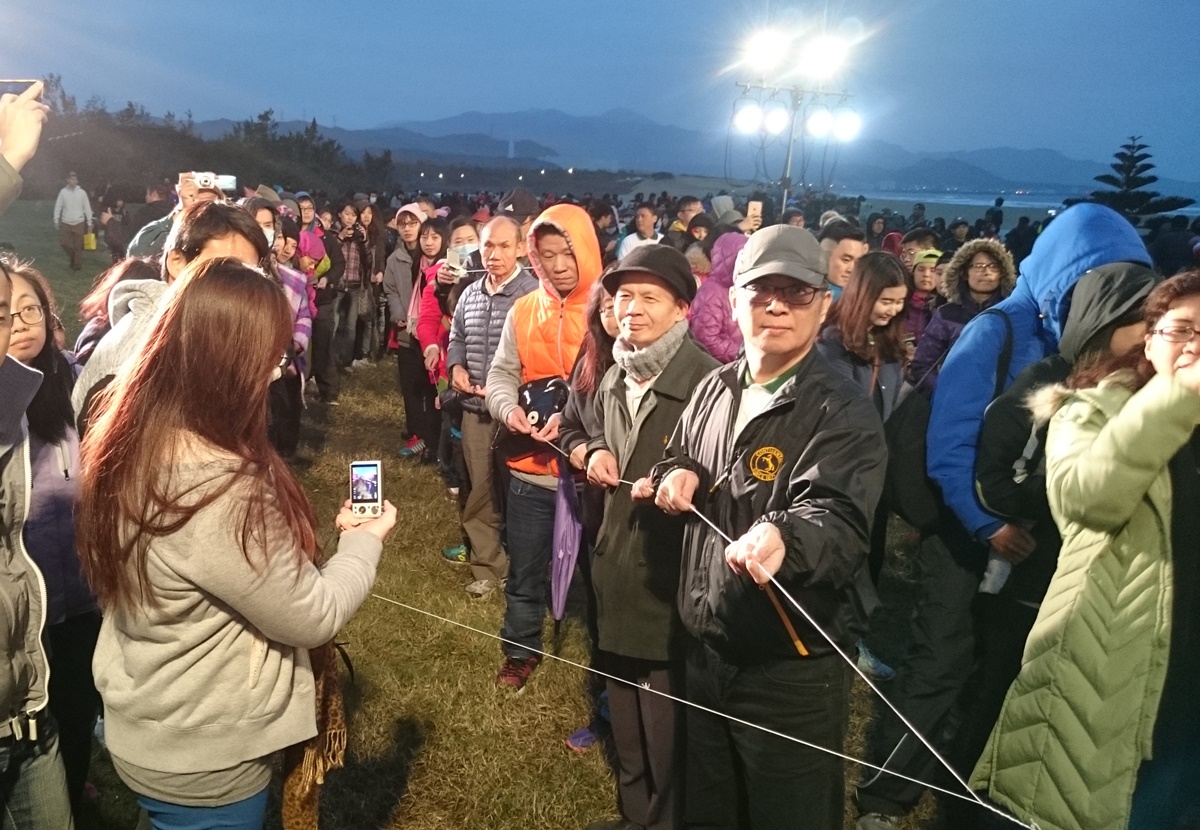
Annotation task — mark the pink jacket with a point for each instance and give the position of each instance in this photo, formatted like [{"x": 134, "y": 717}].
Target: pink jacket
[{"x": 433, "y": 327}]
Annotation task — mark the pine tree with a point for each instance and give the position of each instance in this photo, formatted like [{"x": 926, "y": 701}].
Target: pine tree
[{"x": 1132, "y": 175}]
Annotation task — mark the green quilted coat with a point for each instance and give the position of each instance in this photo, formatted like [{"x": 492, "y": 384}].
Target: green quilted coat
[{"x": 1079, "y": 719}]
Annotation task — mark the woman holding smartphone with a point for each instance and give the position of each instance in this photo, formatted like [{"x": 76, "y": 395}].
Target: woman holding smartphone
[{"x": 201, "y": 549}]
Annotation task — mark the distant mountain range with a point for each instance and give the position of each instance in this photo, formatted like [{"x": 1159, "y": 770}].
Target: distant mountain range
[{"x": 622, "y": 139}]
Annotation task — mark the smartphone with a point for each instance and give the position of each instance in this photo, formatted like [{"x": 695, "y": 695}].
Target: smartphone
[
  {"x": 227, "y": 183},
  {"x": 456, "y": 264},
  {"x": 754, "y": 210},
  {"x": 366, "y": 488},
  {"x": 15, "y": 87}
]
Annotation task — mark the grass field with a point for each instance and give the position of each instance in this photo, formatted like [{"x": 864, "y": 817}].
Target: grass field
[{"x": 434, "y": 744}]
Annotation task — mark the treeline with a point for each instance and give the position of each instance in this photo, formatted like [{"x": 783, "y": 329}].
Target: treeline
[{"x": 126, "y": 149}]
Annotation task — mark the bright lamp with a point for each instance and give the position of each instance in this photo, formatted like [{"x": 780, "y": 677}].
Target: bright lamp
[
  {"x": 846, "y": 124},
  {"x": 775, "y": 118},
  {"x": 819, "y": 123},
  {"x": 748, "y": 118}
]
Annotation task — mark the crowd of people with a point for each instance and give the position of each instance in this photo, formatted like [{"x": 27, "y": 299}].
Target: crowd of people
[{"x": 731, "y": 406}]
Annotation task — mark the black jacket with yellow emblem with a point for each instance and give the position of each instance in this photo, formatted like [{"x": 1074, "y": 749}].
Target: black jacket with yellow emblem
[{"x": 812, "y": 464}]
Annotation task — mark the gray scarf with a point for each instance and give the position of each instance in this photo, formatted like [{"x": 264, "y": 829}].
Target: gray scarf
[{"x": 643, "y": 364}]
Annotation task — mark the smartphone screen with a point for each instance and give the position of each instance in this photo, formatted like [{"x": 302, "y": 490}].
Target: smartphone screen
[
  {"x": 14, "y": 87},
  {"x": 457, "y": 264},
  {"x": 366, "y": 488}
]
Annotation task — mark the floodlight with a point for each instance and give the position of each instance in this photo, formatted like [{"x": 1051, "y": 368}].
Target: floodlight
[
  {"x": 766, "y": 50},
  {"x": 775, "y": 118},
  {"x": 823, "y": 56},
  {"x": 846, "y": 124},
  {"x": 748, "y": 117},
  {"x": 570, "y": 170},
  {"x": 819, "y": 122}
]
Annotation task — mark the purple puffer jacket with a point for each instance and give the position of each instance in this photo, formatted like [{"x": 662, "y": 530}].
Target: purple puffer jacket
[{"x": 711, "y": 315}]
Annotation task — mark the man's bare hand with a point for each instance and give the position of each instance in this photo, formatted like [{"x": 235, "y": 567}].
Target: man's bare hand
[
  {"x": 602, "y": 469},
  {"x": 643, "y": 489},
  {"x": 676, "y": 491},
  {"x": 579, "y": 456},
  {"x": 759, "y": 552},
  {"x": 517, "y": 422},
  {"x": 548, "y": 431},
  {"x": 460, "y": 380}
]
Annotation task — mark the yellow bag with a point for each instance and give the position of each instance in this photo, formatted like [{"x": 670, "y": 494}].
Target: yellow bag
[{"x": 89, "y": 242}]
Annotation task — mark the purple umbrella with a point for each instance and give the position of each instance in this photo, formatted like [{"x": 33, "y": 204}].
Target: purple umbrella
[{"x": 568, "y": 535}]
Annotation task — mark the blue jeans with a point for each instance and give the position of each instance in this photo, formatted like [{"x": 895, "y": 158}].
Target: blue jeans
[
  {"x": 247, "y": 814},
  {"x": 33, "y": 784},
  {"x": 530, "y": 540}
]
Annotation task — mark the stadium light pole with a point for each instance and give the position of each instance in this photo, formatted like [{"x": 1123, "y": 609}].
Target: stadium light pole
[{"x": 817, "y": 60}]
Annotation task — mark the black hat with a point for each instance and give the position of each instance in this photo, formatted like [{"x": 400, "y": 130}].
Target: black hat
[
  {"x": 957, "y": 222},
  {"x": 518, "y": 203},
  {"x": 661, "y": 261}
]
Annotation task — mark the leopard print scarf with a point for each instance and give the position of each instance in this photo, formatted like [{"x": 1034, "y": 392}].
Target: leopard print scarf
[{"x": 305, "y": 764}]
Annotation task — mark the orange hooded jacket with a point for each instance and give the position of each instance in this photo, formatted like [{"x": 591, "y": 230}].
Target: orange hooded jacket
[{"x": 549, "y": 329}]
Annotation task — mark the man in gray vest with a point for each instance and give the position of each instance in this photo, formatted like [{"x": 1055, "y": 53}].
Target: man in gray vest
[{"x": 474, "y": 336}]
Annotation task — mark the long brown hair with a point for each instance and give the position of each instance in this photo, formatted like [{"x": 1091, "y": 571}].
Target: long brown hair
[
  {"x": 851, "y": 314},
  {"x": 202, "y": 374},
  {"x": 1133, "y": 369},
  {"x": 595, "y": 353}
]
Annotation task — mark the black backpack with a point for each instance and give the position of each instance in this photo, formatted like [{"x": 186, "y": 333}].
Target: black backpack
[{"x": 907, "y": 490}]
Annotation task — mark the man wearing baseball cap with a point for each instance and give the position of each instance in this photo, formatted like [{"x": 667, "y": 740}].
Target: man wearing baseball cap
[
  {"x": 635, "y": 570},
  {"x": 787, "y": 459}
]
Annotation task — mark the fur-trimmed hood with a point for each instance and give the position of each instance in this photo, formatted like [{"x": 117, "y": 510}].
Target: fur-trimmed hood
[
  {"x": 954, "y": 278},
  {"x": 1044, "y": 402}
]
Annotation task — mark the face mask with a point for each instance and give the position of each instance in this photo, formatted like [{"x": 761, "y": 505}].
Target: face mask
[
  {"x": 465, "y": 251},
  {"x": 373, "y": 198},
  {"x": 270, "y": 234}
]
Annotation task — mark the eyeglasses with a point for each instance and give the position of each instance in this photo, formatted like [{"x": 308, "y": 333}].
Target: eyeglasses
[
  {"x": 1177, "y": 334},
  {"x": 793, "y": 295},
  {"x": 30, "y": 315},
  {"x": 985, "y": 268},
  {"x": 408, "y": 223}
]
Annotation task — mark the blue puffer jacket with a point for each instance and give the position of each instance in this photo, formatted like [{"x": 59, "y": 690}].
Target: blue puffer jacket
[{"x": 1083, "y": 237}]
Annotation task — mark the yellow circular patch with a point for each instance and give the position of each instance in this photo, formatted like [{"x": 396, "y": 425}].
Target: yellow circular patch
[{"x": 765, "y": 463}]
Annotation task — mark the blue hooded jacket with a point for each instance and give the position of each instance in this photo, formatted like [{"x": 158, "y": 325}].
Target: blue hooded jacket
[{"x": 1085, "y": 236}]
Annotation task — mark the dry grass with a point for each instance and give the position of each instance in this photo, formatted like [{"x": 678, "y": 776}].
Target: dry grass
[{"x": 434, "y": 744}]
